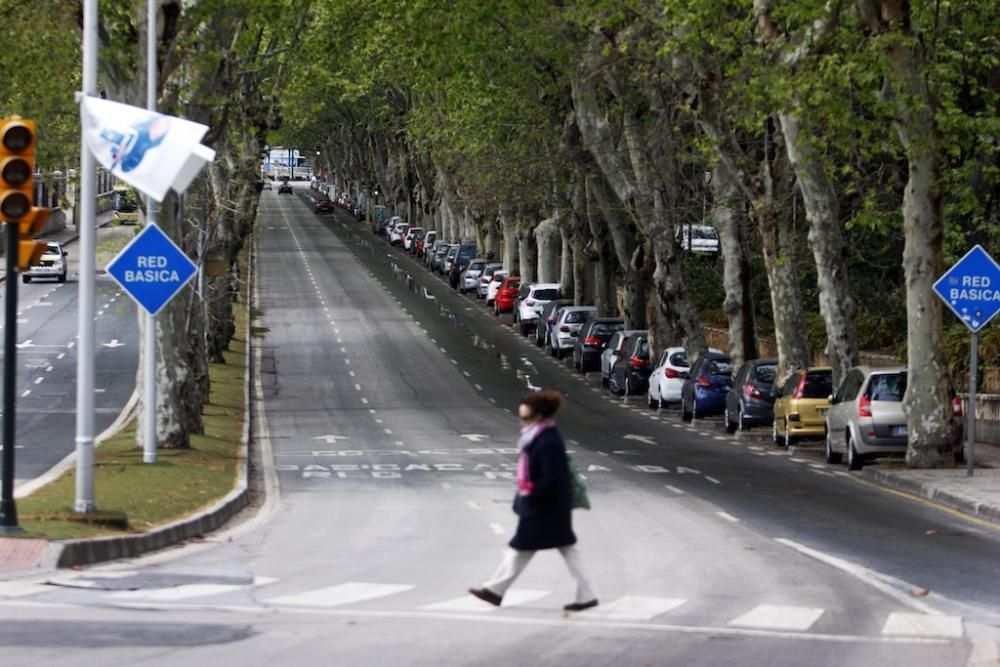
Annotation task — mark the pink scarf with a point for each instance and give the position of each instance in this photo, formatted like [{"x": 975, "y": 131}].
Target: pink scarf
[{"x": 528, "y": 435}]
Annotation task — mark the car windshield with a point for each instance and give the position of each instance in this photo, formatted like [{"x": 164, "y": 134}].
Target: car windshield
[
  {"x": 765, "y": 373},
  {"x": 546, "y": 294},
  {"x": 605, "y": 329},
  {"x": 52, "y": 249},
  {"x": 887, "y": 387},
  {"x": 819, "y": 384},
  {"x": 719, "y": 367},
  {"x": 578, "y": 316}
]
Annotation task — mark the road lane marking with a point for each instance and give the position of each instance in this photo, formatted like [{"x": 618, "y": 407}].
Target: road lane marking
[
  {"x": 778, "y": 617},
  {"x": 727, "y": 516},
  {"x": 467, "y": 603},
  {"x": 358, "y": 387},
  {"x": 923, "y": 625},
  {"x": 712, "y": 480},
  {"x": 364, "y": 401},
  {"x": 674, "y": 489},
  {"x": 39, "y": 380},
  {"x": 341, "y": 594},
  {"x": 636, "y": 608},
  {"x": 497, "y": 528},
  {"x": 25, "y": 393},
  {"x": 351, "y": 373}
]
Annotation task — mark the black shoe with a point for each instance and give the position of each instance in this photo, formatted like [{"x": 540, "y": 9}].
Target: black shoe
[
  {"x": 580, "y": 606},
  {"x": 486, "y": 595}
]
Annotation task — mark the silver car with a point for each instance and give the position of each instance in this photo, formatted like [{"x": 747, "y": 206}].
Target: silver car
[
  {"x": 866, "y": 419},
  {"x": 469, "y": 280},
  {"x": 485, "y": 277},
  {"x": 613, "y": 350},
  {"x": 562, "y": 335}
]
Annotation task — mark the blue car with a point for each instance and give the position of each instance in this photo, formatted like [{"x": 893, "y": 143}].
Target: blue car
[{"x": 704, "y": 391}]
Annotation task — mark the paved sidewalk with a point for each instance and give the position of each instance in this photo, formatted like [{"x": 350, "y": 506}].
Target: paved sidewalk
[{"x": 978, "y": 496}]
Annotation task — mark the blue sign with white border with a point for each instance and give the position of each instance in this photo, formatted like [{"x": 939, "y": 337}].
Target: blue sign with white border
[
  {"x": 971, "y": 288},
  {"x": 152, "y": 269}
]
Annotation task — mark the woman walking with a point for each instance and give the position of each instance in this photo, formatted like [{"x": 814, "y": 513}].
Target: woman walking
[{"x": 543, "y": 503}]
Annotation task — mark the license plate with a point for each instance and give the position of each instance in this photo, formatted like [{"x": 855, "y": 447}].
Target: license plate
[{"x": 899, "y": 430}]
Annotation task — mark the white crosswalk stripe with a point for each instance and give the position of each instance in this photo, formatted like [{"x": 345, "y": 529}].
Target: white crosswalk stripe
[
  {"x": 922, "y": 625},
  {"x": 467, "y": 603},
  {"x": 341, "y": 594},
  {"x": 183, "y": 592},
  {"x": 778, "y": 617},
  {"x": 635, "y": 608}
]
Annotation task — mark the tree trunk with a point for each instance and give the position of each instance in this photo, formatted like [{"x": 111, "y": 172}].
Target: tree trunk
[
  {"x": 567, "y": 272},
  {"x": 826, "y": 240},
  {"x": 511, "y": 247},
  {"x": 547, "y": 240},
  {"x": 728, "y": 216},
  {"x": 527, "y": 252}
]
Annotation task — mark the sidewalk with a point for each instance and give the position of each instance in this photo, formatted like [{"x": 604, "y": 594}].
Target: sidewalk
[{"x": 977, "y": 496}]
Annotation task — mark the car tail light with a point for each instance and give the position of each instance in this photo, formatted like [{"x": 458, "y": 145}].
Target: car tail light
[
  {"x": 564, "y": 329},
  {"x": 801, "y": 388},
  {"x": 703, "y": 381},
  {"x": 865, "y": 407},
  {"x": 671, "y": 373},
  {"x": 529, "y": 303},
  {"x": 750, "y": 390},
  {"x": 636, "y": 362},
  {"x": 956, "y": 407},
  {"x": 592, "y": 340}
]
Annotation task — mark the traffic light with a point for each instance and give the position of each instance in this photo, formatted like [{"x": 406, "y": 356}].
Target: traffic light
[
  {"x": 317, "y": 149},
  {"x": 30, "y": 251},
  {"x": 17, "y": 158}
]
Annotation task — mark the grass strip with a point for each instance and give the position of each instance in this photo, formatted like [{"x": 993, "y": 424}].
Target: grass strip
[{"x": 135, "y": 497}]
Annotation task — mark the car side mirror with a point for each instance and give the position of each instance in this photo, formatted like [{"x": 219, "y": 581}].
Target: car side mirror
[{"x": 65, "y": 254}]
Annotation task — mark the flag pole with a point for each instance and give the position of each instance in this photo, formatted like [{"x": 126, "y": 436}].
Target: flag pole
[
  {"x": 149, "y": 347},
  {"x": 86, "y": 327}
]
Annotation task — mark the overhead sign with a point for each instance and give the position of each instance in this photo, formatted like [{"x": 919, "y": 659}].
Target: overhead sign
[
  {"x": 971, "y": 288},
  {"x": 148, "y": 150},
  {"x": 152, "y": 269}
]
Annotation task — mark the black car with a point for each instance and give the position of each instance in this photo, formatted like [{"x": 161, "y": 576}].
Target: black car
[
  {"x": 284, "y": 189},
  {"x": 630, "y": 374},
  {"x": 548, "y": 317},
  {"x": 750, "y": 402},
  {"x": 324, "y": 206},
  {"x": 466, "y": 253},
  {"x": 593, "y": 338}
]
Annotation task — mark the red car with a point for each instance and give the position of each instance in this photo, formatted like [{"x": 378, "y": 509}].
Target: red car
[
  {"x": 323, "y": 206},
  {"x": 506, "y": 295}
]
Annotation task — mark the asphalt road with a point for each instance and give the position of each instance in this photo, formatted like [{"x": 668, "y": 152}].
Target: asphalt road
[
  {"x": 389, "y": 406},
  {"x": 46, "y": 362}
]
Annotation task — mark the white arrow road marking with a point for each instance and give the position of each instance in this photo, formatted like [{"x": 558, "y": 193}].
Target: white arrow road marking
[
  {"x": 641, "y": 438},
  {"x": 474, "y": 437},
  {"x": 331, "y": 439},
  {"x": 113, "y": 344}
]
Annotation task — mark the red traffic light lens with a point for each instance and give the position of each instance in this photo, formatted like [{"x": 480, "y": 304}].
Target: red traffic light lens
[
  {"x": 14, "y": 205},
  {"x": 17, "y": 137},
  {"x": 16, "y": 171}
]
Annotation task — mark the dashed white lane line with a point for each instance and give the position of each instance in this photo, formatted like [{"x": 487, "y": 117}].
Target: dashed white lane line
[
  {"x": 364, "y": 401},
  {"x": 343, "y": 350},
  {"x": 674, "y": 489},
  {"x": 712, "y": 480},
  {"x": 798, "y": 460},
  {"x": 467, "y": 374},
  {"x": 25, "y": 393},
  {"x": 347, "y": 361},
  {"x": 351, "y": 373},
  {"x": 39, "y": 380},
  {"x": 379, "y": 421},
  {"x": 727, "y": 516},
  {"x": 497, "y": 529},
  {"x": 388, "y": 431},
  {"x": 478, "y": 387},
  {"x": 371, "y": 410},
  {"x": 340, "y": 340},
  {"x": 61, "y": 355}
]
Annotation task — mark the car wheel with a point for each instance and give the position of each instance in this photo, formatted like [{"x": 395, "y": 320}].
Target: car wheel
[
  {"x": 742, "y": 421},
  {"x": 831, "y": 456},
  {"x": 613, "y": 384},
  {"x": 774, "y": 434},
  {"x": 686, "y": 415},
  {"x": 789, "y": 440},
  {"x": 560, "y": 353},
  {"x": 653, "y": 405},
  {"x": 854, "y": 460},
  {"x": 62, "y": 278},
  {"x": 604, "y": 381},
  {"x": 730, "y": 424},
  {"x": 523, "y": 329},
  {"x": 26, "y": 279}
]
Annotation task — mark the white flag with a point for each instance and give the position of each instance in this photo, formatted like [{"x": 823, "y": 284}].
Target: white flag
[{"x": 148, "y": 150}]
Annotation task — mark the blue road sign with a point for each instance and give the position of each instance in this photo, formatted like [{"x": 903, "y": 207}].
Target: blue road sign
[
  {"x": 971, "y": 288},
  {"x": 152, "y": 269}
]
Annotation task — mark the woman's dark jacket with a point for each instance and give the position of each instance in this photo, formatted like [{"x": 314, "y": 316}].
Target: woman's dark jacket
[{"x": 546, "y": 514}]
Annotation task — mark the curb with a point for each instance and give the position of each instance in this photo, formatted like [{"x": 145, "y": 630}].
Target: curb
[
  {"x": 71, "y": 553},
  {"x": 979, "y": 510}
]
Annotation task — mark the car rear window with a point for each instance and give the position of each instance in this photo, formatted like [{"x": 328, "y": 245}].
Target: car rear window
[
  {"x": 720, "y": 367},
  {"x": 514, "y": 284},
  {"x": 546, "y": 294},
  {"x": 578, "y": 316},
  {"x": 679, "y": 359},
  {"x": 887, "y": 387},
  {"x": 602, "y": 330},
  {"x": 819, "y": 384},
  {"x": 642, "y": 349},
  {"x": 476, "y": 266},
  {"x": 765, "y": 373}
]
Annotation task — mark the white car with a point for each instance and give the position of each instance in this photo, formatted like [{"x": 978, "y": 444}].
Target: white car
[
  {"x": 668, "y": 376},
  {"x": 485, "y": 277},
  {"x": 563, "y": 334},
  {"x": 496, "y": 280},
  {"x": 411, "y": 237},
  {"x": 531, "y": 302},
  {"x": 52, "y": 264},
  {"x": 699, "y": 239},
  {"x": 396, "y": 235},
  {"x": 469, "y": 280}
]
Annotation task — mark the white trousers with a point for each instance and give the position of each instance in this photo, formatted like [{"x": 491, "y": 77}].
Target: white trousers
[{"x": 515, "y": 561}]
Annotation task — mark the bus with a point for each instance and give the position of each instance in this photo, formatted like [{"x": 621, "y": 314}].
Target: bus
[{"x": 125, "y": 204}]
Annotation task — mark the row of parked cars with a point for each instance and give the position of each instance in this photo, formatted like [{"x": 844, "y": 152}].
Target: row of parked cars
[{"x": 858, "y": 421}]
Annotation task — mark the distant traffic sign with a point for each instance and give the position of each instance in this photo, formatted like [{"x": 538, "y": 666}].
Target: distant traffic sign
[
  {"x": 152, "y": 269},
  {"x": 971, "y": 288}
]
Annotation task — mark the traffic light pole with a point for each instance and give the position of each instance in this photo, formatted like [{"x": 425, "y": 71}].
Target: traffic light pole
[
  {"x": 149, "y": 441},
  {"x": 8, "y": 507}
]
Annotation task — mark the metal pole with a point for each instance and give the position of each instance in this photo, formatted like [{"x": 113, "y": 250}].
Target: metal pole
[
  {"x": 8, "y": 507},
  {"x": 149, "y": 348},
  {"x": 86, "y": 328},
  {"x": 970, "y": 418}
]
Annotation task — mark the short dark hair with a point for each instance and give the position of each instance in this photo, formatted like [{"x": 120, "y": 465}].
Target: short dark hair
[{"x": 544, "y": 403}]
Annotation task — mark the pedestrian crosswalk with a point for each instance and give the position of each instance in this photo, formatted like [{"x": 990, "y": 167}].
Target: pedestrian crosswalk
[{"x": 273, "y": 594}]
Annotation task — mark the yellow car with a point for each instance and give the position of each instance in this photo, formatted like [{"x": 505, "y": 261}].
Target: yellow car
[{"x": 800, "y": 406}]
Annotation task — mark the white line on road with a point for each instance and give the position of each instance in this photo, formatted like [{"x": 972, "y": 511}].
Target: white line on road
[
  {"x": 478, "y": 387},
  {"x": 674, "y": 489},
  {"x": 467, "y": 374},
  {"x": 364, "y": 401},
  {"x": 728, "y": 517},
  {"x": 39, "y": 380},
  {"x": 388, "y": 431},
  {"x": 497, "y": 528},
  {"x": 351, "y": 373},
  {"x": 340, "y": 594},
  {"x": 61, "y": 355},
  {"x": 358, "y": 387},
  {"x": 712, "y": 480},
  {"x": 25, "y": 393},
  {"x": 379, "y": 421},
  {"x": 779, "y": 617}
]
